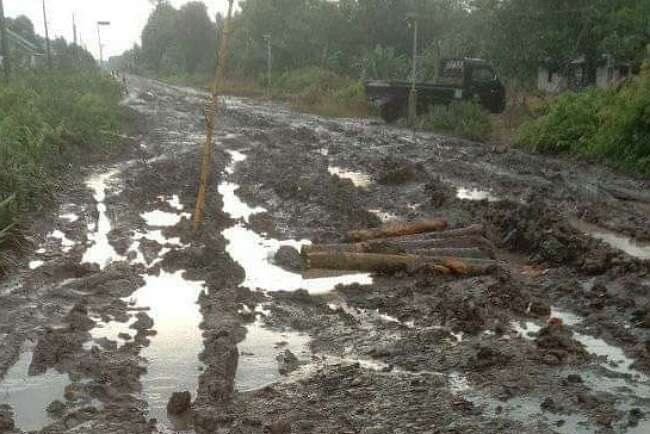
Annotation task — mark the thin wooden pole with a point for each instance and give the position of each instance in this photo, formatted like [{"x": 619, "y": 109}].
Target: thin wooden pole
[
  {"x": 210, "y": 114},
  {"x": 6, "y": 61}
]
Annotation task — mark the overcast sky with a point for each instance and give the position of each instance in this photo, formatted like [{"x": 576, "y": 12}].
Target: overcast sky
[{"x": 127, "y": 18}]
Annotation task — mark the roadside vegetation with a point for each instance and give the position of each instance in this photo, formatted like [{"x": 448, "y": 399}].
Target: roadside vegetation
[
  {"x": 611, "y": 126},
  {"x": 466, "y": 119},
  {"x": 50, "y": 122}
]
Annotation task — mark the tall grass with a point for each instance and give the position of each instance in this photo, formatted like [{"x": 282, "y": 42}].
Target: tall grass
[
  {"x": 49, "y": 122},
  {"x": 611, "y": 126}
]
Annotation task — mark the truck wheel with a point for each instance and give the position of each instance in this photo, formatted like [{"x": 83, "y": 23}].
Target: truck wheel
[{"x": 390, "y": 112}]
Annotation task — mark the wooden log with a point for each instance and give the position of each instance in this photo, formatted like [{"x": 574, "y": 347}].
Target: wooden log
[
  {"x": 398, "y": 229},
  {"x": 396, "y": 245},
  {"x": 374, "y": 262},
  {"x": 464, "y": 252},
  {"x": 472, "y": 230}
]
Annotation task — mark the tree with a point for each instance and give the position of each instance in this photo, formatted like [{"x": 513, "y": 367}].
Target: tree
[
  {"x": 196, "y": 37},
  {"x": 159, "y": 37}
]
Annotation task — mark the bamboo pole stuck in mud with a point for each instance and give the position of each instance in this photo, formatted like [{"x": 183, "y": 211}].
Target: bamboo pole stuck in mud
[
  {"x": 210, "y": 117},
  {"x": 398, "y": 229}
]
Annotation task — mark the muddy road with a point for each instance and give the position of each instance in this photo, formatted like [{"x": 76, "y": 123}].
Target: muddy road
[{"x": 118, "y": 308}]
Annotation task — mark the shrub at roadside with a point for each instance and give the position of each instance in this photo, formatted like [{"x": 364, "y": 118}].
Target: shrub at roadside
[
  {"x": 319, "y": 90},
  {"x": 461, "y": 118},
  {"x": 611, "y": 125},
  {"x": 49, "y": 121}
]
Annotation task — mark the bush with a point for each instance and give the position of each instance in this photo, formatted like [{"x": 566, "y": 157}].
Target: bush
[
  {"x": 461, "y": 118},
  {"x": 611, "y": 125},
  {"x": 319, "y": 90}
]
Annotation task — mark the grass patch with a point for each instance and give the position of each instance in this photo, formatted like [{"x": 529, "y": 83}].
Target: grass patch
[
  {"x": 606, "y": 125},
  {"x": 465, "y": 119}
]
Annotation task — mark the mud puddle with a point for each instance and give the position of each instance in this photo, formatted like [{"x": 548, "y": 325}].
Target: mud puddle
[
  {"x": 620, "y": 242},
  {"x": 30, "y": 395},
  {"x": 465, "y": 193},
  {"x": 173, "y": 354},
  {"x": 100, "y": 252},
  {"x": 613, "y": 374},
  {"x": 259, "y": 353}
]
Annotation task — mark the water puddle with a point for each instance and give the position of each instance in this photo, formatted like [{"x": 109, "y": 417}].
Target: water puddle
[
  {"x": 174, "y": 201},
  {"x": 236, "y": 157},
  {"x": 159, "y": 218},
  {"x": 620, "y": 242},
  {"x": 359, "y": 179},
  {"x": 29, "y": 396},
  {"x": 384, "y": 216},
  {"x": 172, "y": 356},
  {"x": 114, "y": 331},
  {"x": 69, "y": 217},
  {"x": 66, "y": 243},
  {"x": 254, "y": 253},
  {"x": 101, "y": 252},
  {"x": 464, "y": 193},
  {"x": 33, "y": 265},
  {"x": 233, "y": 205},
  {"x": 258, "y": 365}
]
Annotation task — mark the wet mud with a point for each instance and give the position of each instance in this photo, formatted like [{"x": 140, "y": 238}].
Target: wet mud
[{"x": 123, "y": 321}]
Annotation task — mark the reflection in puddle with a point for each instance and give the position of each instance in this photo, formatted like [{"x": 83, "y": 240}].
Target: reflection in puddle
[
  {"x": 254, "y": 254},
  {"x": 620, "y": 242},
  {"x": 29, "y": 396},
  {"x": 172, "y": 357},
  {"x": 258, "y": 366},
  {"x": 359, "y": 179},
  {"x": 475, "y": 194},
  {"x": 101, "y": 252}
]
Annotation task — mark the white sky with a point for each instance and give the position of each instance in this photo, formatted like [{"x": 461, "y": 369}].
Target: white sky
[{"x": 127, "y": 18}]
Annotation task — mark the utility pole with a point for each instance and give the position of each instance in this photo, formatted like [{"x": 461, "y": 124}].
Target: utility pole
[
  {"x": 6, "y": 62},
  {"x": 75, "y": 47},
  {"x": 269, "y": 61},
  {"x": 210, "y": 114},
  {"x": 413, "y": 96},
  {"x": 47, "y": 38},
  {"x": 99, "y": 40}
]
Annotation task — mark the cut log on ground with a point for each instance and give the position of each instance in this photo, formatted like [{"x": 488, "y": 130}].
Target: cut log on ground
[
  {"x": 406, "y": 245},
  {"x": 397, "y": 230},
  {"x": 375, "y": 262}
]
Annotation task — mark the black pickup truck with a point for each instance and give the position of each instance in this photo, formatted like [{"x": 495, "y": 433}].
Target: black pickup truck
[{"x": 459, "y": 79}]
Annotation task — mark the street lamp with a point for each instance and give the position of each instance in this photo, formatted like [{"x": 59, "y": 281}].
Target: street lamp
[{"x": 99, "y": 39}]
